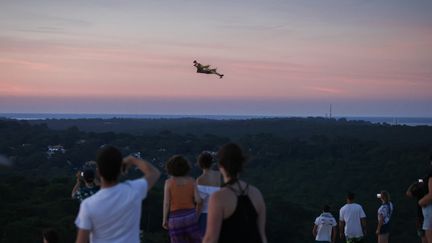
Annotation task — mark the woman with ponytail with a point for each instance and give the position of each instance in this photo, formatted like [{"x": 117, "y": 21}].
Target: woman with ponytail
[{"x": 237, "y": 212}]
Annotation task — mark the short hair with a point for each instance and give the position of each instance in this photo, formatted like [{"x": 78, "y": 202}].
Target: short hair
[
  {"x": 89, "y": 175},
  {"x": 418, "y": 189},
  {"x": 50, "y": 235},
  {"x": 177, "y": 165},
  {"x": 385, "y": 196},
  {"x": 232, "y": 159},
  {"x": 205, "y": 160},
  {"x": 109, "y": 161},
  {"x": 350, "y": 196},
  {"x": 326, "y": 208}
]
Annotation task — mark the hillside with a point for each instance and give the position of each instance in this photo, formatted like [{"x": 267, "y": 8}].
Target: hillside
[{"x": 299, "y": 164}]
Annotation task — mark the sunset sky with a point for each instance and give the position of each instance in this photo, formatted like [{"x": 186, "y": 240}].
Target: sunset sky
[{"x": 279, "y": 57}]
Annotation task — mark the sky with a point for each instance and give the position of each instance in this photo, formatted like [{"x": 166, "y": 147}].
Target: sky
[{"x": 279, "y": 57}]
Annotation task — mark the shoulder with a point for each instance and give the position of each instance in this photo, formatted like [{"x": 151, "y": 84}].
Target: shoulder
[
  {"x": 359, "y": 206},
  {"x": 215, "y": 173},
  {"x": 219, "y": 198},
  {"x": 200, "y": 179},
  {"x": 190, "y": 179},
  {"x": 90, "y": 202},
  {"x": 169, "y": 180},
  {"x": 141, "y": 182},
  {"x": 254, "y": 191}
]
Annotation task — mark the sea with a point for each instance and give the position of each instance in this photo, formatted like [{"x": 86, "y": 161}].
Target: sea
[{"x": 409, "y": 121}]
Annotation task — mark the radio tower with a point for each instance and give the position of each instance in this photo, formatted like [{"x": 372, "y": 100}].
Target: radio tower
[{"x": 330, "y": 114}]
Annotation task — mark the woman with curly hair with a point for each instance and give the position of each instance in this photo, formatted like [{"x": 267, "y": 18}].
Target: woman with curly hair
[{"x": 182, "y": 204}]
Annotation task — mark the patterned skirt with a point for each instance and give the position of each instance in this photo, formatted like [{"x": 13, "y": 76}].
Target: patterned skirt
[{"x": 183, "y": 226}]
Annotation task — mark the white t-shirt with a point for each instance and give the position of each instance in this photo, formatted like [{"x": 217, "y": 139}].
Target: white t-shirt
[
  {"x": 386, "y": 211},
  {"x": 205, "y": 192},
  {"x": 325, "y": 223},
  {"x": 351, "y": 215},
  {"x": 112, "y": 215}
]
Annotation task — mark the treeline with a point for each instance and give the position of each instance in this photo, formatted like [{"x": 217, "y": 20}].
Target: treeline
[{"x": 299, "y": 164}]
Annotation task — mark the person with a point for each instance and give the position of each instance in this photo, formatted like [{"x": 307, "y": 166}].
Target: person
[
  {"x": 207, "y": 183},
  {"x": 237, "y": 212},
  {"x": 50, "y": 236},
  {"x": 81, "y": 192},
  {"x": 113, "y": 213},
  {"x": 426, "y": 203},
  {"x": 182, "y": 204},
  {"x": 385, "y": 212},
  {"x": 206, "y": 69},
  {"x": 352, "y": 221},
  {"x": 417, "y": 190},
  {"x": 324, "y": 229}
]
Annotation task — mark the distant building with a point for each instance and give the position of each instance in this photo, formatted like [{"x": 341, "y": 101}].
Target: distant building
[
  {"x": 54, "y": 149},
  {"x": 137, "y": 155}
]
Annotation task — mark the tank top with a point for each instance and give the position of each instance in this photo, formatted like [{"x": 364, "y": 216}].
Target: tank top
[
  {"x": 182, "y": 196},
  {"x": 205, "y": 192},
  {"x": 242, "y": 225}
]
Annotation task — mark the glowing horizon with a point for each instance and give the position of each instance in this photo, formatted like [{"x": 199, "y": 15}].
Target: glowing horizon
[{"x": 367, "y": 58}]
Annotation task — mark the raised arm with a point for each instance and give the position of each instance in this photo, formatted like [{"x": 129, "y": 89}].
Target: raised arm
[
  {"x": 427, "y": 199},
  {"x": 408, "y": 192},
  {"x": 151, "y": 173},
  {"x": 77, "y": 185}
]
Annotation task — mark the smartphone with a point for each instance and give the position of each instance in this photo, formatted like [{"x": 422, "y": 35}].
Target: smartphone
[
  {"x": 82, "y": 174},
  {"x": 420, "y": 180},
  {"x": 379, "y": 195}
]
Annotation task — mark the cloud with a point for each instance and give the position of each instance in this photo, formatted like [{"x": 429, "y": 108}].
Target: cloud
[
  {"x": 29, "y": 64},
  {"x": 327, "y": 90}
]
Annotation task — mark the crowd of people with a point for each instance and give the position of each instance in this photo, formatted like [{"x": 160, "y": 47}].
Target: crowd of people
[
  {"x": 352, "y": 218},
  {"x": 352, "y": 222},
  {"x": 215, "y": 207}
]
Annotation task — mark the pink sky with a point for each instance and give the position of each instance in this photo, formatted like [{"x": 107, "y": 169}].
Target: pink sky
[{"x": 311, "y": 55}]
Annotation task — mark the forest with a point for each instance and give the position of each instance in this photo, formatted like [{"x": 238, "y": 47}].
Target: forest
[{"x": 299, "y": 164}]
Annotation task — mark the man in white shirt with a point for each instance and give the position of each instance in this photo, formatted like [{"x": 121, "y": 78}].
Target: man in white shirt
[
  {"x": 324, "y": 229},
  {"x": 352, "y": 221},
  {"x": 112, "y": 215}
]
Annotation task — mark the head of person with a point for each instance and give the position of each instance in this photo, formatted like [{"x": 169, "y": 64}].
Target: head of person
[
  {"x": 195, "y": 62},
  {"x": 231, "y": 160},
  {"x": 50, "y": 236},
  {"x": 109, "y": 161},
  {"x": 89, "y": 175},
  {"x": 205, "y": 160},
  {"x": 177, "y": 165},
  {"x": 326, "y": 209},
  {"x": 418, "y": 189},
  {"x": 385, "y": 196},
  {"x": 350, "y": 197}
]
